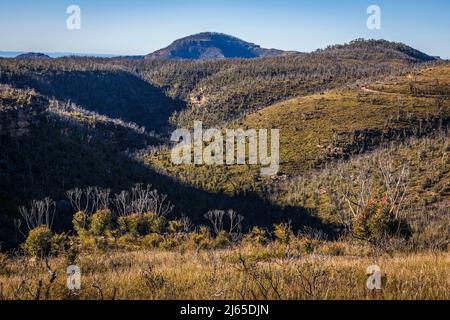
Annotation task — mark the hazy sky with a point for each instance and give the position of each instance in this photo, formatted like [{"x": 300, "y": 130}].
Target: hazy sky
[{"x": 142, "y": 26}]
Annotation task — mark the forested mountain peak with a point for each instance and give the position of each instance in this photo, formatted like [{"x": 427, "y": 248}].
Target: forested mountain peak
[
  {"x": 33, "y": 55},
  {"x": 210, "y": 46},
  {"x": 388, "y": 49}
]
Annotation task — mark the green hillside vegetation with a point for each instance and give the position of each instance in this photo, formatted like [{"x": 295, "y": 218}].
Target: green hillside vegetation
[
  {"x": 325, "y": 127},
  {"x": 91, "y": 132},
  {"x": 426, "y": 205},
  {"x": 226, "y": 90}
]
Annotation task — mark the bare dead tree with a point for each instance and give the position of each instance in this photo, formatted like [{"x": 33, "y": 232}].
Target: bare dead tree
[
  {"x": 89, "y": 200},
  {"x": 100, "y": 198},
  {"x": 235, "y": 224},
  {"x": 381, "y": 175},
  {"x": 142, "y": 200},
  {"x": 355, "y": 190},
  {"x": 395, "y": 182},
  {"x": 88, "y": 203},
  {"x": 216, "y": 219},
  {"x": 38, "y": 213},
  {"x": 187, "y": 224},
  {"x": 122, "y": 203},
  {"x": 74, "y": 197},
  {"x": 160, "y": 204}
]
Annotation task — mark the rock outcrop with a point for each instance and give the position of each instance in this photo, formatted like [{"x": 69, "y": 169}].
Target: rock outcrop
[{"x": 19, "y": 110}]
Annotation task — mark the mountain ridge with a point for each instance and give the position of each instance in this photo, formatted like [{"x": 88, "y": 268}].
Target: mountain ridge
[
  {"x": 33, "y": 55},
  {"x": 211, "y": 46}
]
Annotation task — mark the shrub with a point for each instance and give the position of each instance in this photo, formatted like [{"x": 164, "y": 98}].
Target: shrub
[
  {"x": 175, "y": 226},
  {"x": 151, "y": 223},
  {"x": 126, "y": 240},
  {"x": 222, "y": 240},
  {"x": 101, "y": 222},
  {"x": 73, "y": 250},
  {"x": 141, "y": 224},
  {"x": 129, "y": 225},
  {"x": 283, "y": 232},
  {"x": 101, "y": 243},
  {"x": 153, "y": 240},
  {"x": 375, "y": 223},
  {"x": 87, "y": 242},
  {"x": 39, "y": 242},
  {"x": 60, "y": 243},
  {"x": 202, "y": 238},
  {"x": 80, "y": 223},
  {"x": 257, "y": 236},
  {"x": 168, "y": 243},
  {"x": 306, "y": 245}
]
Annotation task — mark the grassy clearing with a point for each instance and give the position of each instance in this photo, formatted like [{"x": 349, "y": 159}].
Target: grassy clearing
[{"x": 243, "y": 272}]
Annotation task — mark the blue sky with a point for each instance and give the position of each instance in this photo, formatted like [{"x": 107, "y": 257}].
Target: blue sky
[{"x": 139, "y": 26}]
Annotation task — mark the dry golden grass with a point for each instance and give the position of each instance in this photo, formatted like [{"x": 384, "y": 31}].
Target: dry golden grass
[{"x": 243, "y": 272}]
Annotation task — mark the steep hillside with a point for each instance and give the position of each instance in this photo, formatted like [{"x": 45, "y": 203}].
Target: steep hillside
[
  {"x": 76, "y": 122},
  {"x": 46, "y": 150},
  {"x": 96, "y": 85},
  {"x": 347, "y": 141},
  {"x": 324, "y": 127},
  {"x": 49, "y": 147},
  {"x": 427, "y": 184},
  {"x": 210, "y": 46},
  {"x": 336, "y": 124}
]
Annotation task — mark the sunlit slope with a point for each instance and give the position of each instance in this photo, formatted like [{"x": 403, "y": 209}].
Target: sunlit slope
[
  {"x": 336, "y": 124},
  {"x": 318, "y": 129}
]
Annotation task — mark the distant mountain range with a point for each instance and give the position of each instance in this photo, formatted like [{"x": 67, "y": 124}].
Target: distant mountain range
[
  {"x": 33, "y": 55},
  {"x": 210, "y": 46},
  {"x": 214, "y": 46},
  {"x": 18, "y": 54}
]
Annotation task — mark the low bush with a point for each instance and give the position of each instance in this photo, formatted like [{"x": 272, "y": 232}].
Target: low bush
[
  {"x": 283, "y": 232},
  {"x": 175, "y": 226},
  {"x": 60, "y": 244},
  {"x": 168, "y": 243},
  {"x": 222, "y": 240},
  {"x": 80, "y": 223},
  {"x": 153, "y": 240},
  {"x": 306, "y": 245},
  {"x": 332, "y": 249},
  {"x": 375, "y": 223},
  {"x": 257, "y": 236},
  {"x": 101, "y": 223},
  {"x": 39, "y": 242},
  {"x": 201, "y": 239},
  {"x": 142, "y": 224}
]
